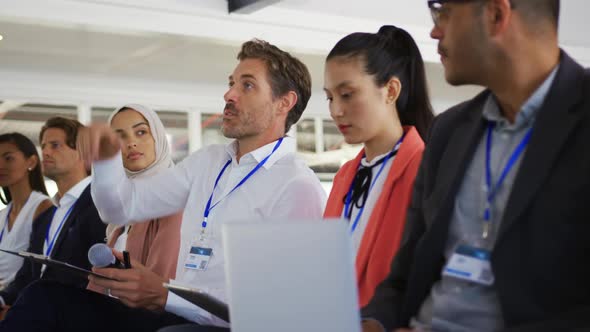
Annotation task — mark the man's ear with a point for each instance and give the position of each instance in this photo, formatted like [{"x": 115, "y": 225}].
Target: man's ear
[
  {"x": 497, "y": 16},
  {"x": 287, "y": 102}
]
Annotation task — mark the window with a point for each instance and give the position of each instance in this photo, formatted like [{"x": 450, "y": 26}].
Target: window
[{"x": 335, "y": 152}]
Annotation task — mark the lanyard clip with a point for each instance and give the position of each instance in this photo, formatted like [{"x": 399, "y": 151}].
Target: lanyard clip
[
  {"x": 202, "y": 234},
  {"x": 486, "y": 230}
]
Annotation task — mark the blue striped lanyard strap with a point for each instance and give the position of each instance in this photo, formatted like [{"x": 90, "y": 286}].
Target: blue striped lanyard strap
[
  {"x": 56, "y": 234},
  {"x": 209, "y": 207},
  {"x": 349, "y": 194},
  {"x": 492, "y": 191}
]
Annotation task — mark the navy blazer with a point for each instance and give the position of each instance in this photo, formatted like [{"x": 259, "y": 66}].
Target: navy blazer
[
  {"x": 81, "y": 230},
  {"x": 540, "y": 260}
]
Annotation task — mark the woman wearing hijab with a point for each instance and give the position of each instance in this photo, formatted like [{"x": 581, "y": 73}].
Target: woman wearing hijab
[{"x": 145, "y": 152}]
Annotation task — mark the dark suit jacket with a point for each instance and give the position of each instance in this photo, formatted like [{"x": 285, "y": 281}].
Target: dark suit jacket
[
  {"x": 81, "y": 230},
  {"x": 540, "y": 261}
]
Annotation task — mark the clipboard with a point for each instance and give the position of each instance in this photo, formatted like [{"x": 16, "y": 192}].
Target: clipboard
[
  {"x": 202, "y": 300},
  {"x": 42, "y": 259}
]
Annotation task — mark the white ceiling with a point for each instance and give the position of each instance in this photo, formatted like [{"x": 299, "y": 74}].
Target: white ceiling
[{"x": 178, "y": 53}]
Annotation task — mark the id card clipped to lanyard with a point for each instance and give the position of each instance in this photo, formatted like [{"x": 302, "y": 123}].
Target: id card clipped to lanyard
[
  {"x": 472, "y": 263},
  {"x": 200, "y": 253}
]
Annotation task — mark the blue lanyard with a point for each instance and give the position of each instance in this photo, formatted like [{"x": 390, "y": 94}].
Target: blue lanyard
[
  {"x": 491, "y": 192},
  {"x": 50, "y": 244},
  {"x": 209, "y": 207},
  {"x": 6, "y": 223},
  {"x": 349, "y": 194}
]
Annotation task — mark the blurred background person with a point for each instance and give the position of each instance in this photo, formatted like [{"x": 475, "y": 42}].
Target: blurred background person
[
  {"x": 68, "y": 229},
  {"x": 25, "y": 197}
]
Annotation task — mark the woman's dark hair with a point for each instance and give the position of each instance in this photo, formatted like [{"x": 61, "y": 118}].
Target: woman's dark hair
[
  {"x": 388, "y": 53},
  {"x": 28, "y": 149}
]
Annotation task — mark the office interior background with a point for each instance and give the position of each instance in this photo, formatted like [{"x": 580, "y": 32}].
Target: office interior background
[{"x": 83, "y": 58}]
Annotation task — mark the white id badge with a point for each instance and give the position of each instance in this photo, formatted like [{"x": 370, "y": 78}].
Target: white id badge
[
  {"x": 198, "y": 258},
  {"x": 471, "y": 264}
]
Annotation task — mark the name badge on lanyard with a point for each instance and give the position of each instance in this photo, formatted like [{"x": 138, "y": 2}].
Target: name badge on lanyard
[
  {"x": 470, "y": 264},
  {"x": 198, "y": 258},
  {"x": 200, "y": 255}
]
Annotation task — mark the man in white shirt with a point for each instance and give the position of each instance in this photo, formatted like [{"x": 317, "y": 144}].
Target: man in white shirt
[
  {"x": 258, "y": 175},
  {"x": 66, "y": 231}
]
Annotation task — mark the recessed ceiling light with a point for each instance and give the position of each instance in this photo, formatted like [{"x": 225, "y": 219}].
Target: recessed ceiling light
[{"x": 1, "y": 37}]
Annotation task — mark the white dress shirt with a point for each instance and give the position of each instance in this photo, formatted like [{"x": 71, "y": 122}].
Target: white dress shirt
[
  {"x": 63, "y": 205},
  {"x": 283, "y": 188},
  {"x": 17, "y": 239}
]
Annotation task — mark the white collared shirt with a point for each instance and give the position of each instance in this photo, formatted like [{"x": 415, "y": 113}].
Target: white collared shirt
[
  {"x": 283, "y": 188},
  {"x": 63, "y": 205}
]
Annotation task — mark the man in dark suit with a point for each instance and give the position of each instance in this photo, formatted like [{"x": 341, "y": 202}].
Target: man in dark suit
[
  {"x": 66, "y": 231},
  {"x": 497, "y": 236}
]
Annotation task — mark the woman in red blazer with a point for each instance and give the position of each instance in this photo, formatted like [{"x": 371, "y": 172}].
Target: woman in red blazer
[{"x": 376, "y": 88}]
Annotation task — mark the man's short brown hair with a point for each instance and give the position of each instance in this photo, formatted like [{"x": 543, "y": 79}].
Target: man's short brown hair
[
  {"x": 285, "y": 72},
  {"x": 536, "y": 11},
  {"x": 69, "y": 126}
]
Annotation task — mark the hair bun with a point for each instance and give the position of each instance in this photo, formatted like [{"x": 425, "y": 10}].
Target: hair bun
[
  {"x": 388, "y": 31},
  {"x": 396, "y": 38}
]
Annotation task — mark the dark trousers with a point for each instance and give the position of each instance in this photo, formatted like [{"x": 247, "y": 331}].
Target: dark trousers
[{"x": 50, "y": 306}]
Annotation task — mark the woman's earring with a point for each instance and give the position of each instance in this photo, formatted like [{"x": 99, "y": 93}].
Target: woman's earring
[{"x": 30, "y": 169}]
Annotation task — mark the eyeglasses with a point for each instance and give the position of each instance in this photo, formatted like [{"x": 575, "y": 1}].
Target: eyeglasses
[{"x": 439, "y": 11}]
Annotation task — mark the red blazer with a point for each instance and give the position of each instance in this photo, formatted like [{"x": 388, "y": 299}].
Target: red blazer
[{"x": 383, "y": 233}]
